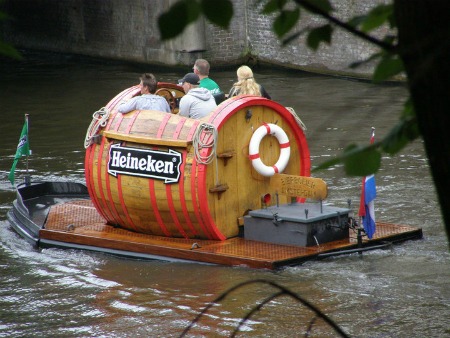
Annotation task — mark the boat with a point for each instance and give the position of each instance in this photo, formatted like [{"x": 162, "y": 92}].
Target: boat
[{"x": 233, "y": 188}]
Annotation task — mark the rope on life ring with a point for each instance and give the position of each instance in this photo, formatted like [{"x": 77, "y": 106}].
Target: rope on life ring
[
  {"x": 285, "y": 151},
  {"x": 99, "y": 120}
]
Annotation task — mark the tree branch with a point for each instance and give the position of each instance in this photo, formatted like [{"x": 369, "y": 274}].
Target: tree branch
[{"x": 313, "y": 8}]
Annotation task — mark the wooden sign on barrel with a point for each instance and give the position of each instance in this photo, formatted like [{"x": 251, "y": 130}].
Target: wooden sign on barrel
[{"x": 299, "y": 186}]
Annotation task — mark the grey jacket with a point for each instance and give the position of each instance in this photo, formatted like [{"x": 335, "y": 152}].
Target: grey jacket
[
  {"x": 145, "y": 102},
  {"x": 197, "y": 103}
]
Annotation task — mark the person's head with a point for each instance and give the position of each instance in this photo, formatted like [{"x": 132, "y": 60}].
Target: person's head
[
  {"x": 246, "y": 82},
  {"x": 189, "y": 81},
  {"x": 244, "y": 73},
  {"x": 201, "y": 67},
  {"x": 148, "y": 83}
]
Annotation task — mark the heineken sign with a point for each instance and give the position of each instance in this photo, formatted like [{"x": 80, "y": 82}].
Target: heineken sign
[{"x": 160, "y": 165}]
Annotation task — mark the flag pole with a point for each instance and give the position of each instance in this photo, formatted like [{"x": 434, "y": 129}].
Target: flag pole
[
  {"x": 367, "y": 195},
  {"x": 23, "y": 148},
  {"x": 27, "y": 175}
]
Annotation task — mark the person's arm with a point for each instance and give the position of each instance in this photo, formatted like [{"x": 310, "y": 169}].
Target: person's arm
[
  {"x": 216, "y": 89},
  {"x": 233, "y": 92},
  {"x": 166, "y": 106},
  {"x": 126, "y": 107},
  {"x": 264, "y": 93}
]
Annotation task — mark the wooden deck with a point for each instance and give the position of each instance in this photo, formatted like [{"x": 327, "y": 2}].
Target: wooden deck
[{"x": 79, "y": 223}]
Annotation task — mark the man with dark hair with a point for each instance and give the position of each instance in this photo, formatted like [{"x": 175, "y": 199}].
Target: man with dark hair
[
  {"x": 201, "y": 68},
  {"x": 147, "y": 100},
  {"x": 198, "y": 102}
]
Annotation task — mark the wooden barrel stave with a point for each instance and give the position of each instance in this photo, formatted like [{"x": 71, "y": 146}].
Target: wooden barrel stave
[{"x": 188, "y": 208}]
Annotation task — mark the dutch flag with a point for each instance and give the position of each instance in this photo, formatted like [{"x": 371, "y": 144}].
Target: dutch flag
[{"x": 368, "y": 194}]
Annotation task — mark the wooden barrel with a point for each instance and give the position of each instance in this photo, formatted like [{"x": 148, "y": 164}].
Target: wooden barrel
[{"x": 146, "y": 175}]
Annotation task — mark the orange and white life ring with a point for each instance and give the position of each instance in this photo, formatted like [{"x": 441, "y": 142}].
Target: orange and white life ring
[{"x": 285, "y": 149}]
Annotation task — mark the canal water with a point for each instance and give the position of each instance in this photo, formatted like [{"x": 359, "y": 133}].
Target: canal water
[{"x": 399, "y": 292}]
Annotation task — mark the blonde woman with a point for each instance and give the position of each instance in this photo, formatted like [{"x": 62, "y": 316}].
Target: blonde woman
[{"x": 247, "y": 85}]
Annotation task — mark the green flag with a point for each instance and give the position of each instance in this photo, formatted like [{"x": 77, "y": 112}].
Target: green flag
[{"x": 23, "y": 148}]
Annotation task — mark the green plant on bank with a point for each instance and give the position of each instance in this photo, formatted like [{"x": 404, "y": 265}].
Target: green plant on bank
[
  {"x": 417, "y": 45},
  {"x": 6, "y": 49},
  {"x": 250, "y": 59}
]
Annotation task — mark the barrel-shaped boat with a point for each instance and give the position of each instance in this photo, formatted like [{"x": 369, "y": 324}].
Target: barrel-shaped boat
[{"x": 163, "y": 174}]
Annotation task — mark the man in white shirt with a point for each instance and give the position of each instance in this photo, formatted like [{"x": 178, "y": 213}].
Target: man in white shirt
[{"x": 147, "y": 100}]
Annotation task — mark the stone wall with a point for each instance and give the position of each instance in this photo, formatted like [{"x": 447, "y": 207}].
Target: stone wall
[
  {"x": 116, "y": 29},
  {"x": 251, "y": 34},
  {"x": 127, "y": 30}
]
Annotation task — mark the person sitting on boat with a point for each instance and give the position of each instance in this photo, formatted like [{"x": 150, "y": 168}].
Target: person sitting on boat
[
  {"x": 201, "y": 68},
  {"x": 198, "y": 102},
  {"x": 246, "y": 84},
  {"x": 147, "y": 100}
]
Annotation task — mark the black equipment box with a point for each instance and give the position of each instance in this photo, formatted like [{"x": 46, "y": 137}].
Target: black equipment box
[{"x": 300, "y": 224}]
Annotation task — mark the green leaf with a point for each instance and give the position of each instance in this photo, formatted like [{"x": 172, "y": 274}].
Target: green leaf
[
  {"x": 391, "y": 20},
  {"x": 377, "y": 17},
  {"x": 285, "y": 21},
  {"x": 219, "y": 12},
  {"x": 318, "y": 35},
  {"x": 328, "y": 164},
  {"x": 273, "y": 6},
  {"x": 361, "y": 161},
  {"x": 9, "y": 51},
  {"x": 356, "y": 21},
  {"x": 358, "y": 161},
  {"x": 292, "y": 37},
  {"x": 3, "y": 16},
  {"x": 388, "y": 67},
  {"x": 390, "y": 39},
  {"x": 174, "y": 21},
  {"x": 323, "y": 5},
  {"x": 356, "y": 64},
  {"x": 408, "y": 110},
  {"x": 403, "y": 133}
]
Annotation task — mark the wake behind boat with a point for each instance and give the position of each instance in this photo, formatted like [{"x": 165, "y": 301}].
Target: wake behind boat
[{"x": 233, "y": 188}]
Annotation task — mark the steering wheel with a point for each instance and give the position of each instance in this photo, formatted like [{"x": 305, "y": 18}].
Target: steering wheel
[{"x": 167, "y": 94}]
